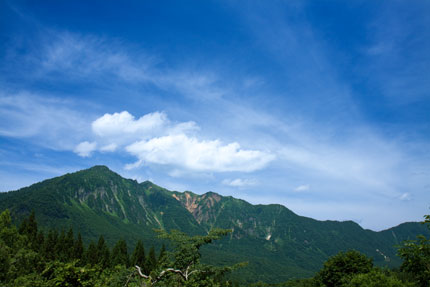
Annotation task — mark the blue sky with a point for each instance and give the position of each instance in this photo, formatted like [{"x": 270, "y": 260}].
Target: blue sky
[{"x": 322, "y": 106}]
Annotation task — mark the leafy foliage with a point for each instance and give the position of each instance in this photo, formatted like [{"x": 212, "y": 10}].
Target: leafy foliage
[
  {"x": 183, "y": 267},
  {"x": 375, "y": 278},
  {"x": 416, "y": 257},
  {"x": 22, "y": 264},
  {"x": 278, "y": 244},
  {"x": 70, "y": 264},
  {"x": 342, "y": 267}
]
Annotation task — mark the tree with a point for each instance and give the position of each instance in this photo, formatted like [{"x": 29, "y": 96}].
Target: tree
[
  {"x": 183, "y": 267},
  {"x": 91, "y": 257},
  {"x": 78, "y": 248},
  {"x": 103, "y": 254},
  {"x": 68, "y": 274},
  {"x": 8, "y": 232},
  {"x": 375, "y": 278},
  {"x": 60, "y": 249},
  {"x": 120, "y": 254},
  {"x": 68, "y": 245},
  {"x": 32, "y": 227},
  {"x": 162, "y": 253},
  {"x": 51, "y": 241},
  {"x": 40, "y": 241},
  {"x": 138, "y": 256},
  {"x": 28, "y": 228},
  {"x": 151, "y": 261},
  {"x": 4, "y": 261},
  {"x": 416, "y": 257},
  {"x": 342, "y": 267}
]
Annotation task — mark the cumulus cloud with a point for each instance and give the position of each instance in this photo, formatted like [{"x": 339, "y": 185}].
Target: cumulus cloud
[
  {"x": 300, "y": 188},
  {"x": 120, "y": 129},
  {"x": 109, "y": 148},
  {"x": 154, "y": 139},
  {"x": 84, "y": 149},
  {"x": 239, "y": 182},
  {"x": 194, "y": 154},
  {"x": 121, "y": 124}
]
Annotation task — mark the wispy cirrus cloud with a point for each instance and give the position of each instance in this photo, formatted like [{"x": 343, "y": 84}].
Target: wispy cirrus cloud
[
  {"x": 301, "y": 188},
  {"x": 48, "y": 121},
  {"x": 240, "y": 182},
  {"x": 106, "y": 62},
  {"x": 305, "y": 128}
]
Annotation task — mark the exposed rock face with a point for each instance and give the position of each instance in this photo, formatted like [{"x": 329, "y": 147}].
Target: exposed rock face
[
  {"x": 98, "y": 202},
  {"x": 200, "y": 206}
]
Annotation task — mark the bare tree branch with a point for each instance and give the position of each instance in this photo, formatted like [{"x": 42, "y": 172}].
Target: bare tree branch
[{"x": 185, "y": 275}]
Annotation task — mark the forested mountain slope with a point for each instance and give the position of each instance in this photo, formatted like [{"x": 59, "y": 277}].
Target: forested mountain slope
[{"x": 277, "y": 243}]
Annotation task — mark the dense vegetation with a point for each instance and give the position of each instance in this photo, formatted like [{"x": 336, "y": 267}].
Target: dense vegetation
[
  {"x": 353, "y": 269},
  {"x": 30, "y": 257},
  {"x": 278, "y": 244}
]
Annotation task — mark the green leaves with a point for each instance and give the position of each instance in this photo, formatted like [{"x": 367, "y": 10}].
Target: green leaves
[
  {"x": 416, "y": 257},
  {"x": 375, "y": 278},
  {"x": 182, "y": 267},
  {"x": 272, "y": 238},
  {"x": 342, "y": 267}
]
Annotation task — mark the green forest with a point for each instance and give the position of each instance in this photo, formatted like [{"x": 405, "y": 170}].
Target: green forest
[
  {"x": 32, "y": 257},
  {"x": 277, "y": 244}
]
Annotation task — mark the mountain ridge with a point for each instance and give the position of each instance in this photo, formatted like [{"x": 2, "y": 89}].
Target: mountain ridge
[{"x": 98, "y": 201}]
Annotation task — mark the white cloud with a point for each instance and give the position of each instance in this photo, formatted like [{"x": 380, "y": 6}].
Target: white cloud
[
  {"x": 239, "y": 182},
  {"x": 47, "y": 121},
  {"x": 405, "y": 196},
  {"x": 197, "y": 155},
  {"x": 301, "y": 188},
  {"x": 366, "y": 160},
  {"x": 83, "y": 58},
  {"x": 122, "y": 124},
  {"x": 121, "y": 129},
  {"x": 154, "y": 139},
  {"x": 85, "y": 149},
  {"x": 109, "y": 148}
]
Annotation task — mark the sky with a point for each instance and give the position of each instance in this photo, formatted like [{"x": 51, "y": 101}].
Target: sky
[{"x": 321, "y": 106}]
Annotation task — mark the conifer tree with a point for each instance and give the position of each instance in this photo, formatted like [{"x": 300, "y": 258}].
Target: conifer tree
[
  {"x": 78, "y": 248},
  {"x": 4, "y": 261},
  {"x": 68, "y": 245},
  {"x": 5, "y": 220},
  {"x": 60, "y": 247},
  {"x": 91, "y": 254},
  {"x": 49, "y": 249},
  {"x": 162, "y": 253},
  {"x": 151, "y": 261},
  {"x": 8, "y": 232},
  {"x": 103, "y": 254},
  {"x": 119, "y": 254},
  {"x": 40, "y": 240},
  {"x": 23, "y": 227},
  {"x": 32, "y": 227},
  {"x": 138, "y": 256}
]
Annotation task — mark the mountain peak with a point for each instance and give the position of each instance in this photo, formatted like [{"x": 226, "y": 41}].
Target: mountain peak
[
  {"x": 97, "y": 201},
  {"x": 99, "y": 168}
]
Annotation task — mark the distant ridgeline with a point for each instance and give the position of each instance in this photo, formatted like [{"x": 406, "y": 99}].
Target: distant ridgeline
[{"x": 277, "y": 243}]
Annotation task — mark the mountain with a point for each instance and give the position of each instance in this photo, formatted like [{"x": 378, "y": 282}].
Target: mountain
[{"x": 277, "y": 243}]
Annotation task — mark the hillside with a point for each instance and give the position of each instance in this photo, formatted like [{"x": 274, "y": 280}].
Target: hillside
[{"x": 277, "y": 243}]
